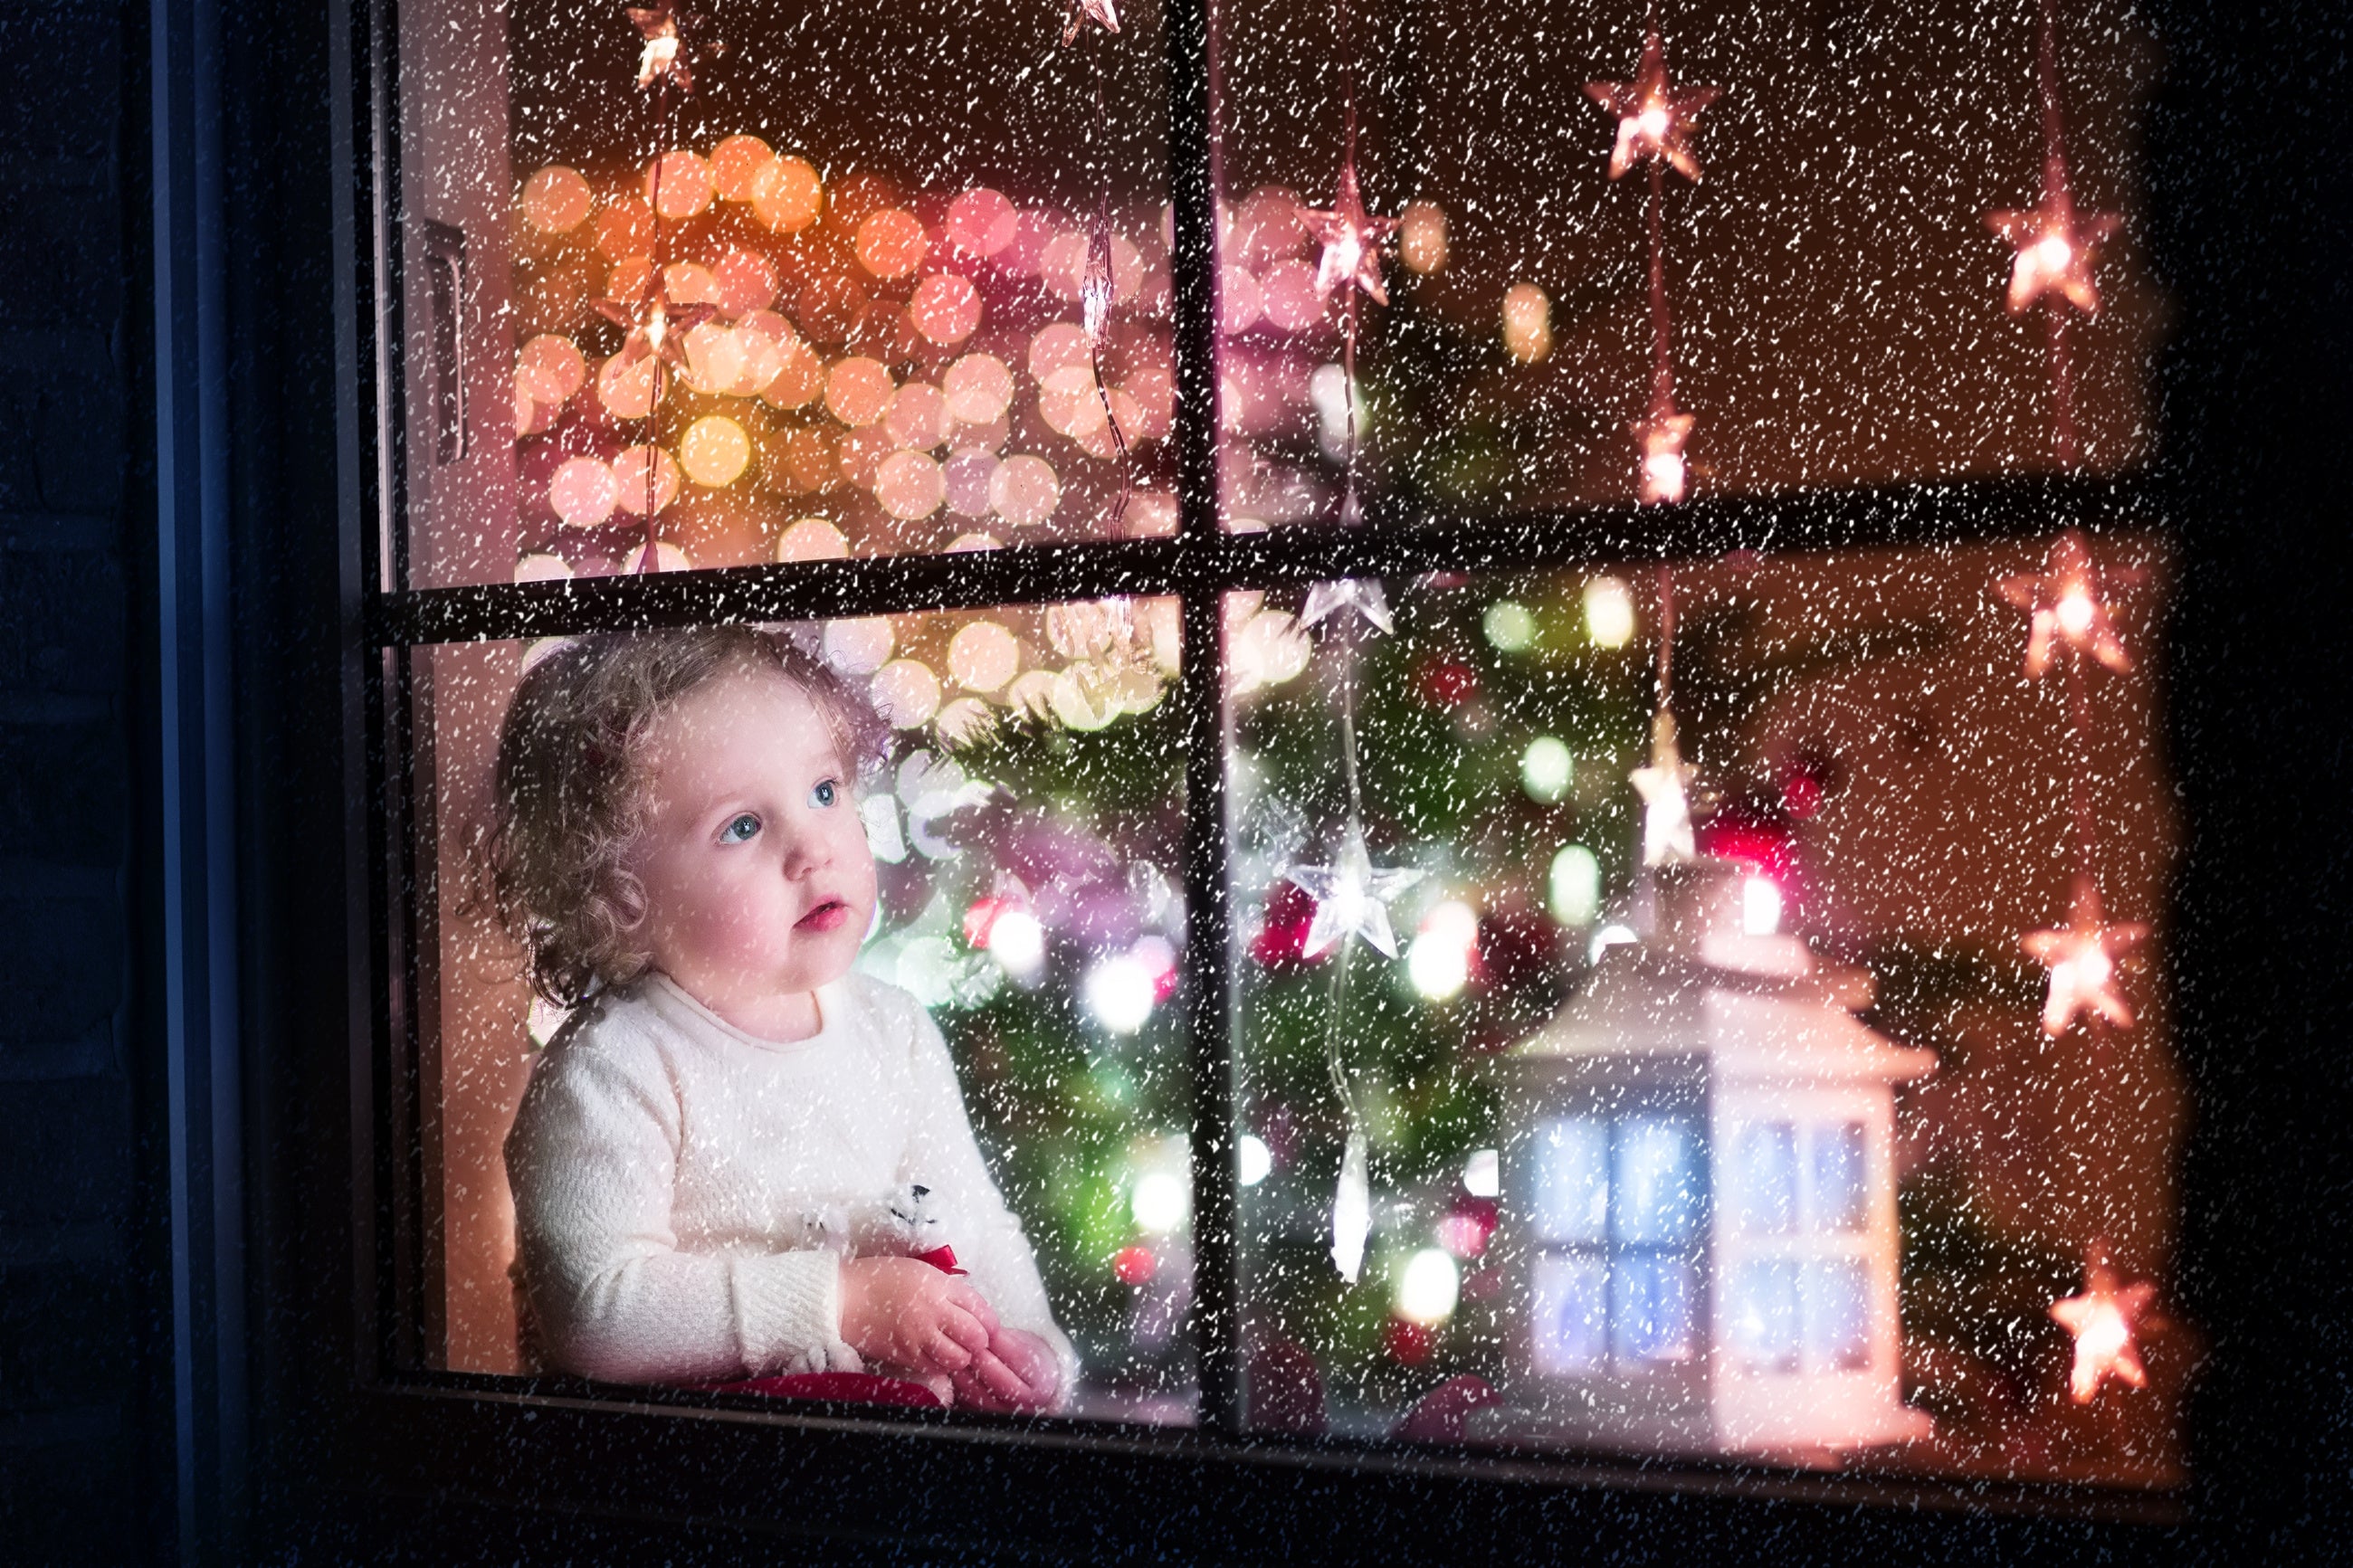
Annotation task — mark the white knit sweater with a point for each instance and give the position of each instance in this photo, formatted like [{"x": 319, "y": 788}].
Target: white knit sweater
[{"x": 684, "y": 1191}]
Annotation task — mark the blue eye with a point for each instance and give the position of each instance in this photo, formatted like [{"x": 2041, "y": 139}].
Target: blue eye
[
  {"x": 826, "y": 794},
  {"x": 741, "y": 830}
]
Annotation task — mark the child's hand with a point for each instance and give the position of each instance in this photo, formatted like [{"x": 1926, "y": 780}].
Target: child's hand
[
  {"x": 906, "y": 1312},
  {"x": 1017, "y": 1372}
]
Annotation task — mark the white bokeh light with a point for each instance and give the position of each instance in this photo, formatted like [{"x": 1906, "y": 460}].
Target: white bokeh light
[
  {"x": 1482, "y": 1174},
  {"x": 1017, "y": 943},
  {"x": 1609, "y": 613},
  {"x": 1547, "y": 769},
  {"x": 1574, "y": 886},
  {"x": 1428, "y": 1287},
  {"x": 1161, "y": 1202},
  {"x": 1119, "y": 992},
  {"x": 1760, "y": 906},
  {"x": 1439, "y": 960},
  {"x": 1253, "y": 1161}
]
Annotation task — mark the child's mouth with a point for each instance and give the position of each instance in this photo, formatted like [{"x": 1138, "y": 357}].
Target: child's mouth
[{"x": 826, "y": 916}]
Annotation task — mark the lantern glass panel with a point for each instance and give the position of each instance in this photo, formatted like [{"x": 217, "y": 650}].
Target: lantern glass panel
[
  {"x": 1841, "y": 1197},
  {"x": 1763, "y": 1314},
  {"x": 1572, "y": 1185},
  {"x": 1763, "y": 1178},
  {"x": 1651, "y": 1297},
  {"x": 1569, "y": 1306},
  {"x": 1837, "y": 1315},
  {"x": 1655, "y": 1185}
]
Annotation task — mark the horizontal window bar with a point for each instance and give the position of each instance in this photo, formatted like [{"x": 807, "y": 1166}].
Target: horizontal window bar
[{"x": 1821, "y": 519}]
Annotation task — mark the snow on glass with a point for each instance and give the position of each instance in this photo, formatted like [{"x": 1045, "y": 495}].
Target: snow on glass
[{"x": 901, "y": 281}]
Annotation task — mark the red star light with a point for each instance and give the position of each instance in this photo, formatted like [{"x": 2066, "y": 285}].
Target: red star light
[
  {"x": 2056, "y": 245},
  {"x": 2081, "y": 958},
  {"x": 657, "y": 325},
  {"x": 1352, "y": 239},
  {"x": 1103, "y": 14},
  {"x": 1660, "y": 437},
  {"x": 2064, "y": 604},
  {"x": 1654, "y": 119},
  {"x": 2105, "y": 1321}
]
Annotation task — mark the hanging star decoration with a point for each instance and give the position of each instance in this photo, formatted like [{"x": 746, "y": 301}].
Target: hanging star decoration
[
  {"x": 1666, "y": 803},
  {"x": 2056, "y": 245},
  {"x": 664, "y": 57},
  {"x": 1661, "y": 439},
  {"x": 2081, "y": 958},
  {"x": 1352, "y": 896},
  {"x": 2105, "y": 1321},
  {"x": 1103, "y": 14},
  {"x": 2064, "y": 604},
  {"x": 1362, "y": 595},
  {"x": 1352, "y": 239},
  {"x": 1654, "y": 117}
]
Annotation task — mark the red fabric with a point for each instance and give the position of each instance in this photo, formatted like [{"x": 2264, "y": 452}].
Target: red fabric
[
  {"x": 851, "y": 1387},
  {"x": 940, "y": 1258},
  {"x": 1438, "y": 1416}
]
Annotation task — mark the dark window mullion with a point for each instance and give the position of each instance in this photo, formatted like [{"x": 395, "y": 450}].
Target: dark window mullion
[{"x": 1203, "y": 560}]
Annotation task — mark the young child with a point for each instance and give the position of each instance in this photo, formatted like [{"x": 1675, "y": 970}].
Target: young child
[{"x": 729, "y": 1155}]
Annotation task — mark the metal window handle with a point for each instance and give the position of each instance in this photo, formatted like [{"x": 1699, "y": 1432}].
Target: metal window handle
[{"x": 444, "y": 274}]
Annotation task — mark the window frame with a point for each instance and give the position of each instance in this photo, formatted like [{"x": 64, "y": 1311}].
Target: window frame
[{"x": 405, "y": 1427}]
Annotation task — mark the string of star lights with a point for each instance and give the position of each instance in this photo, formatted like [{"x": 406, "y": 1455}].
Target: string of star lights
[
  {"x": 2070, "y": 624},
  {"x": 2054, "y": 246},
  {"x": 1351, "y": 895},
  {"x": 1099, "y": 287},
  {"x": 1654, "y": 127},
  {"x": 1664, "y": 783}
]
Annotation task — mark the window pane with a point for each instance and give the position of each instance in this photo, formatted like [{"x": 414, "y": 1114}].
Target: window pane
[
  {"x": 1572, "y": 1181},
  {"x": 1841, "y": 1201},
  {"x": 1655, "y": 1189},
  {"x": 1837, "y": 1315},
  {"x": 1014, "y": 838},
  {"x": 870, "y": 253},
  {"x": 1763, "y": 1314},
  {"x": 1466, "y": 956},
  {"x": 1765, "y": 1177},
  {"x": 1517, "y": 357},
  {"x": 1568, "y": 1307}
]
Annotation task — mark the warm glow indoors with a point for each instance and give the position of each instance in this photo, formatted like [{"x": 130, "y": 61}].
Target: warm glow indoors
[
  {"x": 1527, "y": 322},
  {"x": 1609, "y": 611},
  {"x": 714, "y": 450}
]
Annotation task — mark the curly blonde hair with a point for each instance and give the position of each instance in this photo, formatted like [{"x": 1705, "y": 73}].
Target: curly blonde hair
[{"x": 569, "y": 799}]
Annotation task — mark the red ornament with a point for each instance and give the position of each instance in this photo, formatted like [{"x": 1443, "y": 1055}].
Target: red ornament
[
  {"x": 1408, "y": 1344},
  {"x": 1446, "y": 683},
  {"x": 1281, "y": 940},
  {"x": 1134, "y": 1265}
]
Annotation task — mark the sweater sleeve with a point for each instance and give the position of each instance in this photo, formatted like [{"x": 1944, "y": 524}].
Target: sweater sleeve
[
  {"x": 943, "y": 1155},
  {"x": 593, "y": 1159}
]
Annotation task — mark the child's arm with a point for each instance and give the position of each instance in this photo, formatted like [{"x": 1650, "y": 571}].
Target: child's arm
[
  {"x": 591, "y": 1161},
  {"x": 988, "y": 1240}
]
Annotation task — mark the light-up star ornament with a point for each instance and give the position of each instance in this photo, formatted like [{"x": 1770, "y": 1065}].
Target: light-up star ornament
[
  {"x": 1666, "y": 804},
  {"x": 2065, "y": 605},
  {"x": 2056, "y": 245},
  {"x": 1654, "y": 117},
  {"x": 1352, "y": 896},
  {"x": 663, "y": 59},
  {"x": 2105, "y": 1320},
  {"x": 1352, "y": 239},
  {"x": 1362, "y": 595},
  {"x": 2081, "y": 958},
  {"x": 1664, "y": 474},
  {"x": 657, "y": 324},
  {"x": 1103, "y": 14}
]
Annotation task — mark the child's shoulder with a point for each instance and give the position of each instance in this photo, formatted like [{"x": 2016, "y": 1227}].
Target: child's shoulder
[
  {"x": 613, "y": 1031},
  {"x": 877, "y": 1005}
]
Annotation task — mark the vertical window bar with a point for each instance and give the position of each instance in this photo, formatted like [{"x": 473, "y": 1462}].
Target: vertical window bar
[{"x": 1191, "y": 42}]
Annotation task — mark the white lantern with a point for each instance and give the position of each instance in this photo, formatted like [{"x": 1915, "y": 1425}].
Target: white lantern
[{"x": 1698, "y": 1214}]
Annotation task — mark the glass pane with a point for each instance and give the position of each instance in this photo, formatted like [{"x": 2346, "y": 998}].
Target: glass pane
[
  {"x": 940, "y": 1008},
  {"x": 1572, "y": 1181},
  {"x": 1451, "y": 945},
  {"x": 1763, "y": 1315},
  {"x": 1568, "y": 1306},
  {"x": 1649, "y": 1308},
  {"x": 867, "y": 256},
  {"x": 1837, "y": 1315},
  {"x": 1765, "y": 1178},
  {"x": 1655, "y": 1187},
  {"x": 1518, "y": 355},
  {"x": 1841, "y": 1200}
]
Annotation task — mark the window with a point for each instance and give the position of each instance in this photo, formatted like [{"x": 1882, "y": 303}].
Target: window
[{"x": 1400, "y": 944}]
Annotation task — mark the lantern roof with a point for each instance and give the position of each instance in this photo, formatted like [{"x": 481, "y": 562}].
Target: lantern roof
[{"x": 1764, "y": 1006}]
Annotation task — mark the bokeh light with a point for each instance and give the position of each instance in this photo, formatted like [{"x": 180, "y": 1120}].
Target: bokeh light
[
  {"x": 858, "y": 391},
  {"x": 1161, "y": 1202},
  {"x": 909, "y": 486},
  {"x": 1573, "y": 886},
  {"x": 786, "y": 194},
  {"x": 1439, "y": 960},
  {"x": 679, "y": 184},
  {"x": 1119, "y": 992},
  {"x": 978, "y": 389},
  {"x": 1024, "y": 490},
  {"x": 860, "y": 644},
  {"x": 1427, "y": 1288},
  {"x": 582, "y": 492},
  {"x": 633, "y": 468},
  {"x": 1547, "y": 769},
  {"x": 557, "y": 200},
  {"x": 550, "y": 369},
  {"x": 736, "y": 165},
  {"x": 981, "y": 222},
  {"x": 891, "y": 242},
  {"x": 1510, "y": 626},
  {"x": 1527, "y": 322},
  {"x": 1422, "y": 238},
  {"x": 1253, "y": 1161},
  {"x": 984, "y": 655},
  {"x": 906, "y": 693},
  {"x": 1609, "y": 611},
  {"x": 812, "y": 539},
  {"x": 714, "y": 451}
]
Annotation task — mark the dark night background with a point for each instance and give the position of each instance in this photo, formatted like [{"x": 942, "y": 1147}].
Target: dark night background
[{"x": 2248, "y": 202}]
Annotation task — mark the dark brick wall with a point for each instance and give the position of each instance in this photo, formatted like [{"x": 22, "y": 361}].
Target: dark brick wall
[{"x": 71, "y": 1316}]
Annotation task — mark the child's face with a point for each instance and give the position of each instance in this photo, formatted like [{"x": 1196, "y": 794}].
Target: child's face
[{"x": 759, "y": 886}]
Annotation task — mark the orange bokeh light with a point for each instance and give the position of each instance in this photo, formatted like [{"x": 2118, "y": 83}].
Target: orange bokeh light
[
  {"x": 557, "y": 200},
  {"x": 891, "y": 242}
]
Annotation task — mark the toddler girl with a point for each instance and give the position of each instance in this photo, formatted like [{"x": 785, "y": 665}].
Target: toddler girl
[{"x": 730, "y": 1156}]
